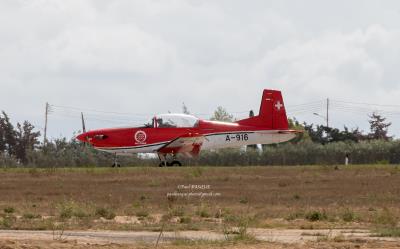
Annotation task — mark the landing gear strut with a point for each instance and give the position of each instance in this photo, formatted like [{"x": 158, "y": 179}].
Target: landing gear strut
[
  {"x": 168, "y": 160},
  {"x": 115, "y": 164}
]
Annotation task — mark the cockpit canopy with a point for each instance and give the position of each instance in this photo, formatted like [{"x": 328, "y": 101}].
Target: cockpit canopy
[{"x": 173, "y": 121}]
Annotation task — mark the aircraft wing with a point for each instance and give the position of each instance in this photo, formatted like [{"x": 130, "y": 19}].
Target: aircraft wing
[{"x": 188, "y": 144}]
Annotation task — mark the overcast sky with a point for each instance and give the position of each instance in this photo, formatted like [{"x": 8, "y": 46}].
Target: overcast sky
[{"x": 147, "y": 57}]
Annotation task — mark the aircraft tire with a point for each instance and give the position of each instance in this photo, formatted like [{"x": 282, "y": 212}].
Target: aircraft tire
[{"x": 177, "y": 163}]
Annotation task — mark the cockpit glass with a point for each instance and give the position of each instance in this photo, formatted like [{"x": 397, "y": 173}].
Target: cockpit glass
[
  {"x": 149, "y": 123},
  {"x": 176, "y": 121}
]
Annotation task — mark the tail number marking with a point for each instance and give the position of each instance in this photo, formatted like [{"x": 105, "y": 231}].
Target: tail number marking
[{"x": 237, "y": 137}]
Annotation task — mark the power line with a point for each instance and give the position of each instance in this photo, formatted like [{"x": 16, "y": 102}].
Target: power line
[
  {"x": 307, "y": 108},
  {"x": 363, "y": 103},
  {"x": 99, "y": 111}
]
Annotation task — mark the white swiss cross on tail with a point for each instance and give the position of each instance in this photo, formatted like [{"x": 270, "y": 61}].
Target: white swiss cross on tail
[{"x": 278, "y": 105}]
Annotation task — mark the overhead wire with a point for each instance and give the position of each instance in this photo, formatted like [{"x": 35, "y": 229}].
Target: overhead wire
[{"x": 308, "y": 108}]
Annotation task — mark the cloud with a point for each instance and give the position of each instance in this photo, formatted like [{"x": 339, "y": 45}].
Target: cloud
[
  {"x": 335, "y": 63},
  {"x": 150, "y": 56}
]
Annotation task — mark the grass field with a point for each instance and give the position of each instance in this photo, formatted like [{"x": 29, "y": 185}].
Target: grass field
[{"x": 147, "y": 198}]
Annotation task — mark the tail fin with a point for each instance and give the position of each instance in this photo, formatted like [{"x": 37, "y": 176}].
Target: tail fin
[{"x": 272, "y": 113}]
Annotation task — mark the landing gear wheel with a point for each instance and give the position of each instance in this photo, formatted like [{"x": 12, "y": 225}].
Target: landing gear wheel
[
  {"x": 177, "y": 163},
  {"x": 115, "y": 164},
  {"x": 162, "y": 164}
]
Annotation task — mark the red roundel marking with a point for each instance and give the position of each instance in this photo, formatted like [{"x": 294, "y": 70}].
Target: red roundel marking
[{"x": 140, "y": 136}]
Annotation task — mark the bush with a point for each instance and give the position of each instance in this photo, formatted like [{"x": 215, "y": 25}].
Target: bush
[
  {"x": 8, "y": 161},
  {"x": 70, "y": 153},
  {"x": 105, "y": 213},
  {"x": 185, "y": 220},
  {"x": 316, "y": 216},
  {"x": 178, "y": 211},
  {"x": 305, "y": 153},
  {"x": 244, "y": 200},
  {"x": 142, "y": 213},
  {"x": 31, "y": 216},
  {"x": 9, "y": 210},
  {"x": 388, "y": 232},
  {"x": 348, "y": 215},
  {"x": 7, "y": 221},
  {"x": 386, "y": 218},
  {"x": 69, "y": 209},
  {"x": 203, "y": 212}
]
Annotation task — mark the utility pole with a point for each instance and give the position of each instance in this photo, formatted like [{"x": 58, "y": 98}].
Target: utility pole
[
  {"x": 327, "y": 112},
  {"x": 45, "y": 124}
]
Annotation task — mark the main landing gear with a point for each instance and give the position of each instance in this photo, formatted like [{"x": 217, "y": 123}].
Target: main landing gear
[
  {"x": 115, "y": 164},
  {"x": 168, "y": 160}
]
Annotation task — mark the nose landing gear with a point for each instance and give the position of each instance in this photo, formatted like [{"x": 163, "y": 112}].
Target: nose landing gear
[{"x": 115, "y": 164}]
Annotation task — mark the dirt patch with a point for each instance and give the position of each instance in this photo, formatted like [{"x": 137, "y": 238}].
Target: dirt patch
[
  {"x": 81, "y": 242},
  {"x": 287, "y": 236}
]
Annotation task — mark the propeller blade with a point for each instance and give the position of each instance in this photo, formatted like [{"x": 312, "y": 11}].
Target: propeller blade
[
  {"x": 83, "y": 123},
  {"x": 83, "y": 127}
]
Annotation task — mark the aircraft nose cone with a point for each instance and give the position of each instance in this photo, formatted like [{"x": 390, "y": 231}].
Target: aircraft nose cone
[{"x": 82, "y": 137}]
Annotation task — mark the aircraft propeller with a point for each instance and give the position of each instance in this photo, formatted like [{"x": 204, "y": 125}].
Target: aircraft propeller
[{"x": 83, "y": 128}]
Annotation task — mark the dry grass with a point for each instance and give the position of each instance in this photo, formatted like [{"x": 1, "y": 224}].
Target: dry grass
[
  {"x": 301, "y": 197},
  {"x": 29, "y": 244}
]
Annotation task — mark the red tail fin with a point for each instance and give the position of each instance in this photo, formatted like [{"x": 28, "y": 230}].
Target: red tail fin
[{"x": 272, "y": 112}]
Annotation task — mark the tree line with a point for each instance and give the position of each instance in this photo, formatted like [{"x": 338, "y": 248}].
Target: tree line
[
  {"x": 318, "y": 144},
  {"x": 15, "y": 142}
]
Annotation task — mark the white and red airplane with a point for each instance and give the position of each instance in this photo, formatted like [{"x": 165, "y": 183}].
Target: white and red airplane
[{"x": 172, "y": 134}]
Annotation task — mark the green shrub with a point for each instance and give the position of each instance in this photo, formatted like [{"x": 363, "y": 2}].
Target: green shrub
[
  {"x": 306, "y": 153},
  {"x": 177, "y": 211},
  {"x": 66, "y": 209},
  {"x": 185, "y": 220},
  {"x": 31, "y": 216},
  {"x": 69, "y": 209},
  {"x": 9, "y": 210},
  {"x": 385, "y": 217},
  {"x": 104, "y": 212},
  {"x": 79, "y": 213},
  {"x": 203, "y": 212},
  {"x": 244, "y": 200},
  {"x": 8, "y": 221},
  {"x": 348, "y": 215},
  {"x": 316, "y": 216},
  {"x": 388, "y": 232},
  {"x": 231, "y": 218},
  {"x": 142, "y": 213}
]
